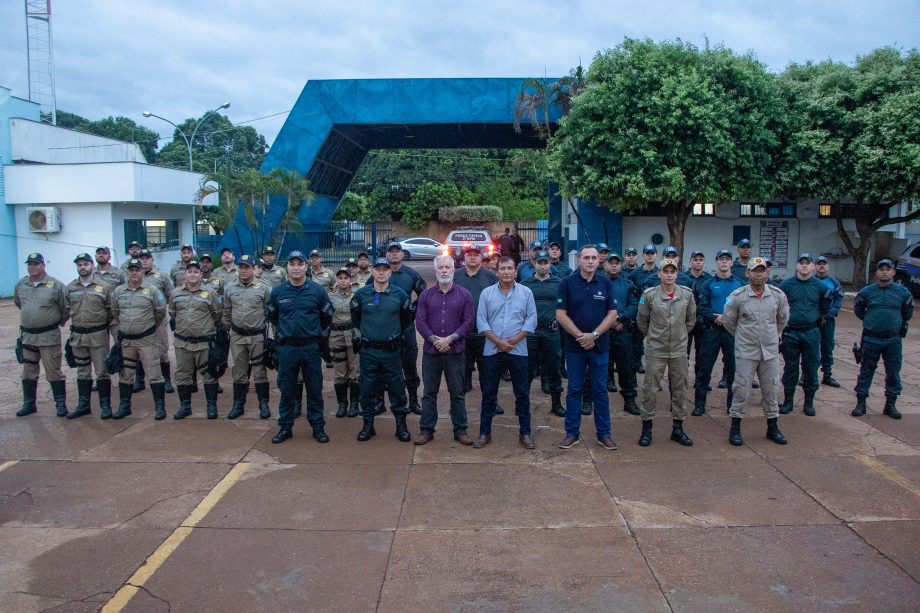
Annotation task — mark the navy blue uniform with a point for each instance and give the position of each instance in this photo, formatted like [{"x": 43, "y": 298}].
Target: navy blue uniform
[
  {"x": 884, "y": 312},
  {"x": 715, "y": 338},
  {"x": 829, "y": 329},
  {"x": 627, "y": 299},
  {"x": 544, "y": 353},
  {"x": 809, "y": 302},
  {"x": 639, "y": 277},
  {"x": 696, "y": 335},
  {"x": 300, "y": 316}
]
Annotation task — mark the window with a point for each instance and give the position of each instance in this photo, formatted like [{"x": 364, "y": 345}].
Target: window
[
  {"x": 155, "y": 234},
  {"x": 704, "y": 209},
  {"x": 769, "y": 209},
  {"x": 825, "y": 210}
]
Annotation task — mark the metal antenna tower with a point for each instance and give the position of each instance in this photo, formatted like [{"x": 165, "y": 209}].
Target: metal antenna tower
[{"x": 41, "y": 58}]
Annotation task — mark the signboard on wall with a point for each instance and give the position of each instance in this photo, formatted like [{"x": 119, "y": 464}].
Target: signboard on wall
[{"x": 774, "y": 242}]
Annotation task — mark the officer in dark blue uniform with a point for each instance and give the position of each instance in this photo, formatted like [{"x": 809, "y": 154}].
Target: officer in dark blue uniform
[
  {"x": 544, "y": 351},
  {"x": 697, "y": 276},
  {"x": 301, "y": 313},
  {"x": 809, "y": 302},
  {"x": 639, "y": 277},
  {"x": 828, "y": 330},
  {"x": 739, "y": 267},
  {"x": 884, "y": 308},
  {"x": 627, "y": 298},
  {"x": 381, "y": 311},
  {"x": 557, "y": 260}
]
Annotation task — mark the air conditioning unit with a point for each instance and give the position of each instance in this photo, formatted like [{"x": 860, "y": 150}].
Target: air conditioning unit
[{"x": 44, "y": 218}]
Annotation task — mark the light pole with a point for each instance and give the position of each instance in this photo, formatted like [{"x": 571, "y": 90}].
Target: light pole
[{"x": 189, "y": 140}]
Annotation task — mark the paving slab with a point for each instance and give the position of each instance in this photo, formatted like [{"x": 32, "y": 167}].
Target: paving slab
[
  {"x": 458, "y": 496},
  {"x": 775, "y": 568},
  {"x": 179, "y": 441},
  {"x": 562, "y": 569},
  {"x": 313, "y": 497},
  {"x": 504, "y": 448},
  {"x": 899, "y": 541},
  {"x": 906, "y": 429},
  {"x": 48, "y": 567},
  {"x": 107, "y": 495},
  {"x": 271, "y": 570},
  {"x": 855, "y": 490},
  {"x": 38, "y": 437},
  {"x": 746, "y": 492}
]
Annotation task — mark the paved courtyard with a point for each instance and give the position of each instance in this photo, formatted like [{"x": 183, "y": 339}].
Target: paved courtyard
[{"x": 205, "y": 515}]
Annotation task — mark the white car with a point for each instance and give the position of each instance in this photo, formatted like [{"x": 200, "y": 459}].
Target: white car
[{"x": 421, "y": 248}]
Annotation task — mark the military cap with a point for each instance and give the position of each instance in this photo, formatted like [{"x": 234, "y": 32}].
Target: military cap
[
  {"x": 134, "y": 263},
  {"x": 632, "y": 250},
  {"x": 670, "y": 249},
  {"x": 614, "y": 256},
  {"x": 723, "y": 253},
  {"x": 268, "y": 249},
  {"x": 744, "y": 242},
  {"x": 820, "y": 259},
  {"x": 246, "y": 260},
  {"x": 536, "y": 245},
  {"x": 756, "y": 263},
  {"x": 134, "y": 244},
  {"x": 542, "y": 255},
  {"x": 650, "y": 248},
  {"x": 316, "y": 253},
  {"x": 342, "y": 270},
  {"x": 205, "y": 256},
  {"x": 668, "y": 262},
  {"x": 693, "y": 254},
  {"x": 145, "y": 253},
  {"x": 393, "y": 245},
  {"x": 297, "y": 255},
  {"x": 194, "y": 262},
  {"x": 83, "y": 257},
  {"x": 381, "y": 262},
  {"x": 350, "y": 262},
  {"x": 551, "y": 243},
  {"x": 363, "y": 255},
  {"x": 103, "y": 249},
  {"x": 602, "y": 247},
  {"x": 187, "y": 246},
  {"x": 805, "y": 256},
  {"x": 226, "y": 249},
  {"x": 884, "y": 262}
]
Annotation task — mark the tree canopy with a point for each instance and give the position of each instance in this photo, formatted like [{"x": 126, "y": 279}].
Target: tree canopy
[{"x": 119, "y": 128}]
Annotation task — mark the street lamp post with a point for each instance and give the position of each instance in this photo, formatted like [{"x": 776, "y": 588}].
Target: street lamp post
[{"x": 189, "y": 139}]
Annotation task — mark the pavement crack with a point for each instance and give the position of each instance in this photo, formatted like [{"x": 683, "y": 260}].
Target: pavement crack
[
  {"x": 160, "y": 501},
  {"x": 152, "y": 595}
]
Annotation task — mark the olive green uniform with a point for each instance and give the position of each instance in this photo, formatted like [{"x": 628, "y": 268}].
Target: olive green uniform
[
  {"x": 90, "y": 315},
  {"x": 139, "y": 312},
  {"x": 195, "y": 315},
  {"x": 363, "y": 277},
  {"x": 323, "y": 276},
  {"x": 110, "y": 278},
  {"x": 226, "y": 276},
  {"x": 274, "y": 276},
  {"x": 344, "y": 358},
  {"x": 43, "y": 310},
  {"x": 177, "y": 273},
  {"x": 214, "y": 282},
  {"x": 244, "y": 314},
  {"x": 159, "y": 280}
]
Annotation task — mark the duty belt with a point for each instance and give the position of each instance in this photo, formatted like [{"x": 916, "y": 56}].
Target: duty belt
[
  {"x": 802, "y": 327},
  {"x": 390, "y": 345},
  {"x": 194, "y": 339},
  {"x": 39, "y": 330},
  {"x": 89, "y": 330},
  {"x": 145, "y": 333},
  {"x": 881, "y": 335},
  {"x": 298, "y": 341},
  {"x": 553, "y": 325},
  {"x": 247, "y": 331},
  {"x": 341, "y": 327}
]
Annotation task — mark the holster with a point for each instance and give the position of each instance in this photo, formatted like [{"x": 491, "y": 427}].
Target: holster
[
  {"x": 325, "y": 351},
  {"x": 355, "y": 341},
  {"x": 19, "y": 351},
  {"x": 269, "y": 357},
  {"x": 69, "y": 357},
  {"x": 114, "y": 362},
  {"x": 857, "y": 353}
]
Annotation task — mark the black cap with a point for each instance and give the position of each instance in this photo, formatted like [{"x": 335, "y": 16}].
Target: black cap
[
  {"x": 297, "y": 255},
  {"x": 744, "y": 242},
  {"x": 693, "y": 254},
  {"x": 246, "y": 260},
  {"x": 381, "y": 262},
  {"x": 342, "y": 271},
  {"x": 632, "y": 250},
  {"x": 350, "y": 262},
  {"x": 316, "y": 253},
  {"x": 134, "y": 263},
  {"x": 884, "y": 262},
  {"x": 805, "y": 256},
  {"x": 820, "y": 259},
  {"x": 83, "y": 257},
  {"x": 614, "y": 256},
  {"x": 362, "y": 254},
  {"x": 650, "y": 248},
  {"x": 390, "y": 247},
  {"x": 187, "y": 246},
  {"x": 602, "y": 247},
  {"x": 145, "y": 253},
  {"x": 134, "y": 244},
  {"x": 670, "y": 249},
  {"x": 551, "y": 243},
  {"x": 542, "y": 255},
  {"x": 723, "y": 252},
  {"x": 193, "y": 262},
  {"x": 206, "y": 256},
  {"x": 103, "y": 249},
  {"x": 226, "y": 249},
  {"x": 268, "y": 249}
]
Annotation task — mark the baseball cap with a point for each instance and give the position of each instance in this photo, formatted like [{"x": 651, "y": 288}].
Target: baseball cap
[
  {"x": 247, "y": 260},
  {"x": 363, "y": 255},
  {"x": 650, "y": 248},
  {"x": 668, "y": 262},
  {"x": 134, "y": 263},
  {"x": 297, "y": 255},
  {"x": 205, "y": 256},
  {"x": 350, "y": 262},
  {"x": 316, "y": 253},
  {"x": 475, "y": 248},
  {"x": 820, "y": 259},
  {"x": 226, "y": 249},
  {"x": 756, "y": 263},
  {"x": 805, "y": 256},
  {"x": 602, "y": 247},
  {"x": 381, "y": 262},
  {"x": 103, "y": 248},
  {"x": 670, "y": 249},
  {"x": 268, "y": 249},
  {"x": 83, "y": 257},
  {"x": 134, "y": 244},
  {"x": 342, "y": 270},
  {"x": 723, "y": 252},
  {"x": 536, "y": 245},
  {"x": 884, "y": 262},
  {"x": 632, "y": 250},
  {"x": 614, "y": 256},
  {"x": 194, "y": 262},
  {"x": 556, "y": 243},
  {"x": 542, "y": 255},
  {"x": 187, "y": 246},
  {"x": 693, "y": 254},
  {"x": 145, "y": 253},
  {"x": 390, "y": 247},
  {"x": 744, "y": 242}
]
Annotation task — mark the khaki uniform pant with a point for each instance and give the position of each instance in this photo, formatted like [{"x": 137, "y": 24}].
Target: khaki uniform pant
[
  {"x": 188, "y": 361},
  {"x": 162, "y": 343},
  {"x": 49, "y": 356},
  {"x": 768, "y": 375},
  {"x": 90, "y": 359},
  {"x": 247, "y": 360},
  {"x": 344, "y": 358},
  {"x": 147, "y": 356},
  {"x": 677, "y": 379}
]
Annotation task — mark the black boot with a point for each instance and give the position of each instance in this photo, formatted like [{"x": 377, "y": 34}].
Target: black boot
[
  {"x": 185, "y": 402},
  {"x": 587, "y": 406},
  {"x": 139, "y": 385},
  {"x": 29, "y": 391},
  {"x": 283, "y": 434},
  {"x": 734, "y": 435},
  {"x": 544, "y": 387},
  {"x": 611, "y": 382},
  {"x": 678, "y": 435},
  {"x": 891, "y": 410},
  {"x": 59, "y": 391},
  {"x": 341, "y": 396},
  {"x": 827, "y": 379},
  {"x": 773, "y": 432},
  {"x": 298, "y": 401},
  {"x": 368, "y": 430},
  {"x": 413, "y": 401},
  {"x": 164, "y": 369},
  {"x": 319, "y": 433},
  {"x": 699, "y": 408},
  {"x": 788, "y": 399},
  {"x": 498, "y": 409},
  {"x": 210, "y": 396},
  {"x": 809, "y": 406},
  {"x": 104, "y": 387},
  {"x": 239, "y": 400},
  {"x": 557, "y": 409},
  {"x": 84, "y": 391},
  {"x": 645, "y": 439},
  {"x": 262, "y": 395},
  {"x": 402, "y": 431},
  {"x": 159, "y": 400},
  {"x": 355, "y": 406},
  {"x": 630, "y": 406},
  {"x": 860, "y": 409},
  {"x": 124, "y": 400}
]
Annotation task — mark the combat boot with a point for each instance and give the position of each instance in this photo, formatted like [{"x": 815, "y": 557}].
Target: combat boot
[
  {"x": 402, "y": 430},
  {"x": 367, "y": 431},
  {"x": 29, "y": 391},
  {"x": 630, "y": 406},
  {"x": 734, "y": 435},
  {"x": 262, "y": 395},
  {"x": 355, "y": 406},
  {"x": 341, "y": 396},
  {"x": 788, "y": 400},
  {"x": 124, "y": 400},
  {"x": 104, "y": 387},
  {"x": 809, "y": 407},
  {"x": 319, "y": 433},
  {"x": 544, "y": 387},
  {"x": 298, "y": 400},
  {"x": 557, "y": 408},
  {"x": 283, "y": 434},
  {"x": 773, "y": 432},
  {"x": 239, "y": 400},
  {"x": 164, "y": 369},
  {"x": 860, "y": 408},
  {"x": 413, "y": 401},
  {"x": 587, "y": 406},
  {"x": 645, "y": 439},
  {"x": 139, "y": 385},
  {"x": 890, "y": 409},
  {"x": 159, "y": 400},
  {"x": 827, "y": 379},
  {"x": 59, "y": 391},
  {"x": 210, "y": 396},
  {"x": 699, "y": 408},
  {"x": 678, "y": 435},
  {"x": 185, "y": 402},
  {"x": 611, "y": 382},
  {"x": 84, "y": 390},
  {"x": 728, "y": 402}
]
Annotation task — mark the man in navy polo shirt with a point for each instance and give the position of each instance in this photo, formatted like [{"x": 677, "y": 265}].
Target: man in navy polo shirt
[{"x": 586, "y": 308}]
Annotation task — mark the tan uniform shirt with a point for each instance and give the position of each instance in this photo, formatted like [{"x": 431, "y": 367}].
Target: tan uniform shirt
[
  {"x": 244, "y": 305},
  {"x": 214, "y": 282},
  {"x": 341, "y": 302},
  {"x": 159, "y": 280},
  {"x": 111, "y": 278},
  {"x": 363, "y": 277},
  {"x": 323, "y": 276},
  {"x": 274, "y": 277},
  {"x": 666, "y": 321},
  {"x": 89, "y": 308},
  {"x": 41, "y": 304},
  {"x": 177, "y": 273},
  {"x": 756, "y": 321},
  {"x": 226, "y": 276},
  {"x": 137, "y": 310},
  {"x": 196, "y": 313}
]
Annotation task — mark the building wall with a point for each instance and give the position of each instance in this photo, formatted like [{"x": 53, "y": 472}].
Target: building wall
[
  {"x": 164, "y": 259},
  {"x": 46, "y": 144}
]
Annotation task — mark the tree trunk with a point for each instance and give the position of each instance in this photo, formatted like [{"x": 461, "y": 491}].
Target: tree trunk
[
  {"x": 677, "y": 214},
  {"x": 867, "y": 217}
]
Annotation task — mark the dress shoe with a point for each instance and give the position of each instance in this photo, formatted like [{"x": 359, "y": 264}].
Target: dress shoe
[
  {"x": 829, "y": 380},
  {"x": 527, "y": 441},
  {"x": 319, "y": 433},
  {"x": 482, "y": 441},
  {"x": 568, "y": 442},
  {"x": 607, "y": 443},
  {"x": 283, "y": 435},
  {"x": 723, "y": 384},
  {"x": 463, "y": 438},
  {"x": 424, "y": 438}
]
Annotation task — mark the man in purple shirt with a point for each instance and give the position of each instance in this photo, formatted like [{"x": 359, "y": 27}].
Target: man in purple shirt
[{"x": 444, "y": 317}]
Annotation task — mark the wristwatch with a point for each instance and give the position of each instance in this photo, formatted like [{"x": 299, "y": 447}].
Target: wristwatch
[{"x": 595, "y": 335}]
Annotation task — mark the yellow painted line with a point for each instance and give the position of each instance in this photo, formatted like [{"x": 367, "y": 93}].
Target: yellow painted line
[
  {"x": 8, "y": 464},
  {"x": 890, "y": 474},
  {"x": 172, "y": 542}
]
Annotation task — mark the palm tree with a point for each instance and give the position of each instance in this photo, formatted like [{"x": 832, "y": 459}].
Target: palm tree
[
  {"x": 227, "y": 187},
  {"x": 295, "y": 188}
]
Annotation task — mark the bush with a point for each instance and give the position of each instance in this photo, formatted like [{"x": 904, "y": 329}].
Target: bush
[{"x": 466, "y": 213}]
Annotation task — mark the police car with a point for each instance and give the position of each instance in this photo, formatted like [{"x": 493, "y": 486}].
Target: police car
[
  {"x": 908, "y": 269},
  {"x": 461, "y": 238}
]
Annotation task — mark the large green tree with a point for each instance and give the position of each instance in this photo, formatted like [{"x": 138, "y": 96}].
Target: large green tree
[
  {"x": 119, "y": 128},
  {"x": 218, "y": 145},
  {"x": 853, "y": 137},
  {"x": 671, "y": 124}
]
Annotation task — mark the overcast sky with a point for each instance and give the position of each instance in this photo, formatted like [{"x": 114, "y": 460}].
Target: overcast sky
[{"x": 179, "y": 59}]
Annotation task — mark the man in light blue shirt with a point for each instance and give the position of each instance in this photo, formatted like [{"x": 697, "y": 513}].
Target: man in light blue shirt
[{"x": 506, "y": 314}]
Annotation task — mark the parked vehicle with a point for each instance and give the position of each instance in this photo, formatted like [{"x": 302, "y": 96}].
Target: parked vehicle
[
  {"x": 461, "y": 238},
  {"x": 908, "y": 269},
  {"x": 421, "y": 248}
]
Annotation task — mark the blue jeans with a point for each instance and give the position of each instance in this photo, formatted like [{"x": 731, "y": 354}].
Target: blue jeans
[
  {"x": 595, "y": 364},
  {"x": 495, "y": 365}
]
